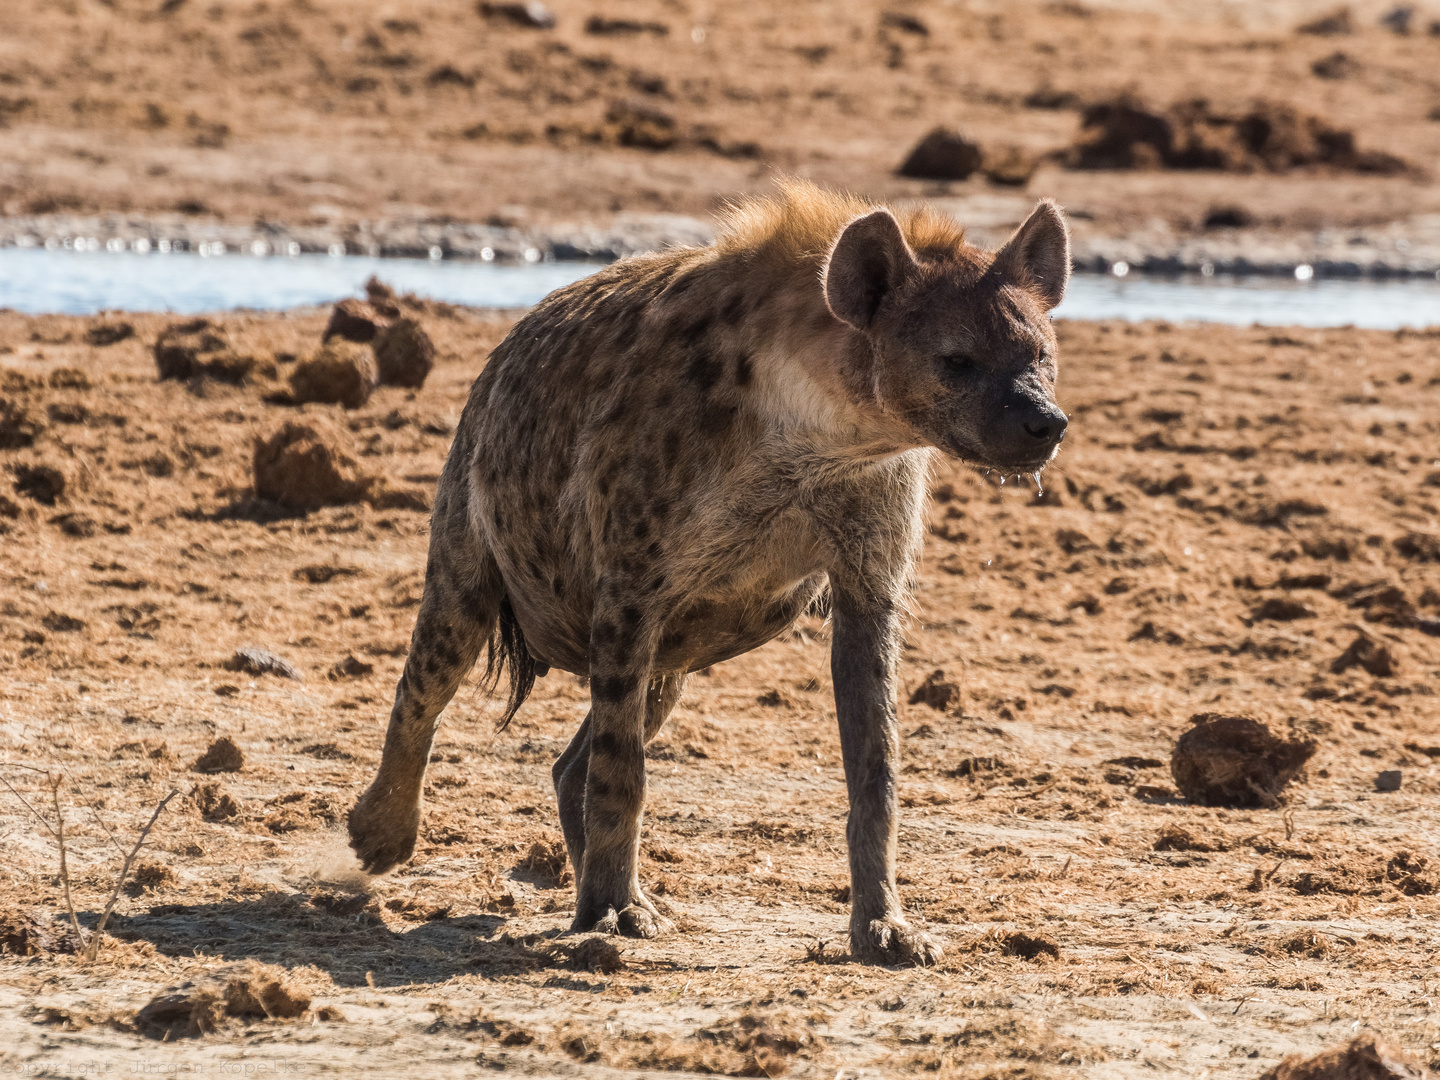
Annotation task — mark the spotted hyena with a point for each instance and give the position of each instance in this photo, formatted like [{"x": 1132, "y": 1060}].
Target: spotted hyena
[{"x": 665, "y": 464}]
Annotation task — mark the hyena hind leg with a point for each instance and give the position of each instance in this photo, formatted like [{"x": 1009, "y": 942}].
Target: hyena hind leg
[
  {"x": 572, "y": 768},
  {"x": 458, "y": 613}
]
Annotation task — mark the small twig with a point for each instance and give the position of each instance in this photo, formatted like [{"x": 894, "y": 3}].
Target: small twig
[
  {"x": 106, "y": 828},
  {"x": 1289, "y": 820},
  {"x": 59, "y": 831},
  {"x": 24, "y": 801},
  {"x": 94, "y": 947}
]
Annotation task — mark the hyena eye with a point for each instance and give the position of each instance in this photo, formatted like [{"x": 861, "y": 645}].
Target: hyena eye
[{"x": 958, "y": 364}]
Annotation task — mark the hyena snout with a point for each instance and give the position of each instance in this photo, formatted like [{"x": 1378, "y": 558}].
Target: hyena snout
[{"x": 1027, "y": 433}]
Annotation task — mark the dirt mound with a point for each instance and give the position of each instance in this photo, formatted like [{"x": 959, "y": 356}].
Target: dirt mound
[
  {"x": 245, "y": 991},
  {"x": 340, "y": 373},
  {"x": 943, "y": 154},
  {"x": 1365, "y": 1058},
  {"x": 307, "y": 464},
  {"x": 404, "y": 354},
  {"x": 17, "y": 427},
  {"x": 201, "y": 349},
  {"x": 223, "y": 756},
  {"x": 936, "y": 692},
  {"x": 1268, "y": 137},
  {"x": 1235, "y": 761},
  {"x": 1367, "y": 653}
]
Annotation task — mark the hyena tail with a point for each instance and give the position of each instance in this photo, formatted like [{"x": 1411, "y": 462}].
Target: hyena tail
[{"x": 506, "y": 649}]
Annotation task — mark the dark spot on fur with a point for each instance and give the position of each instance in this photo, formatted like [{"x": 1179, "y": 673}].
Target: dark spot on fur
[
  {"x": 604, "y": 633},
  {"x": 715, "y": 420},
  {"x": 534, "y": 570},
  {"x": 499, "y": 520},
  {"x": 612, "y": 688},
  {"x": 664, "y": 399},
  {"x": 657, "y": 583},
  {"x": 703, "y": 371},
  {"x": 672, "y": 444},
  {"x": 641, "y": 530},
  {"x": 557, "y": 586},
  {"x": 605, "y": 744},
  {"x": 743, "y": 372},
  {"x": 672, "y": 641},
  {"x": 654, "y": 550},
  {"x": 597, "y": 787},
  {"x": 660, "y": 509},
  {"x": 734, "y": 309}
]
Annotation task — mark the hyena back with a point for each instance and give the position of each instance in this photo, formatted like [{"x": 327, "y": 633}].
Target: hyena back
[{"x": 665, "y": 464}]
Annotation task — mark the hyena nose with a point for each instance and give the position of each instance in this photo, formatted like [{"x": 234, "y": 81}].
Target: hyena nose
[{"x": 1049, "y": 427}]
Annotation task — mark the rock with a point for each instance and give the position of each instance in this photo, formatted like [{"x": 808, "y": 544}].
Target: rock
[
  {"x": 1235, "y": 761},
  {"x": 108, "y": 334},
  {"x": 354, "y": 320},
  {"x": 1365, "y": 652},
  {"x": 1364, "y": 1058},
  {"x": 201, "y": 349},
  {"x": 533, "y": 15},
  {"x": 223, "y": 756},
  {"x": 936, "y": 692},
  {"x": 943, "y": 154},
  {"x": 340, "y": 373},
  {"x": 253, "y": 661},
  {"x": 43, "y": 483},
  {"x": 1389, "y": 780},
  {"x": 404, "y": 354},
  {"x": 17, "y": 427},
  {"x": 306, "y": 465}
]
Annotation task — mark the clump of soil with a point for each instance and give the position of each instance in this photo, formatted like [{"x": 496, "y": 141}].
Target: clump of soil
[
  {"x": 306, "y": 465},
  {"x": 17, "y": 427},
  {"x": 548, "y": 861},
  {"x": 404, "y": 353},
  {"x": 253, "y": 661},
  {"x": 1364, "y": 1058},
  {"x": 109, "y": 334},
  {"x": 936, "y": 692},
  {"x": 1236, "y": 761},
  {"x": 1029, "y": 946},
  {"x": 201, "y": 349},
  {"x": 27, "y": 932},
  {"x": 943, "y": 154},
  {"x": 1367, "y": 653},
  {"x": 214, "y": 802},
  {"x": 340, "y": 373},
  {"x": 358, "y": 320},
  {"x": 43, "y": 483},
  {"x": 245, "y": 991},
  {"x": 597, "y": 954},
  {"x": 1124, "y": 134},
  {"x": 1178, "y": 838},
  {"x": 149, "y": 876},
  {"x": 223, "y": 756}
]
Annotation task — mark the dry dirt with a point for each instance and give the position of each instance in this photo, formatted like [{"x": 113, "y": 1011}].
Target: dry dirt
[
  {"x": 341, "y": 111},
  {"x": 1234, "y": 510}
]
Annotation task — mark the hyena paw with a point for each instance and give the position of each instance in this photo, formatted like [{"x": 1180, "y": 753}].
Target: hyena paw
[
  {"x": 893, "y": 941},
  {"x": 381, "y": 836},
  {"x": 633, "y": 920}
]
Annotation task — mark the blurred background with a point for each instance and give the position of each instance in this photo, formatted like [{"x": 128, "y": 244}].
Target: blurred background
[{"x": 1264, "y": 132}]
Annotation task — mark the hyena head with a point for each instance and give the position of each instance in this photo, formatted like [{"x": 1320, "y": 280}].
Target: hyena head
[{"x": 960, "y": 340}]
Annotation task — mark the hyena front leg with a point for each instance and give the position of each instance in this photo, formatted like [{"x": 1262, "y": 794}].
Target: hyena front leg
[
  {"x": 457, "y": 614},
  {"x": 572, "y": 767},
  {"x": 608, "y": 892},
  {"x": 862, "y": 664}
]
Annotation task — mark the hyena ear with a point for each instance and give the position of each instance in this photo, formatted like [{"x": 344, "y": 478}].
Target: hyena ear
[
  {"x": 1039, "y": 254},
  {"x": 869, "y": 261}
]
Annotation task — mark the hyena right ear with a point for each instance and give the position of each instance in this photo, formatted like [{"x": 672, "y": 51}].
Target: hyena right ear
[{"x": 869, "y": 261}]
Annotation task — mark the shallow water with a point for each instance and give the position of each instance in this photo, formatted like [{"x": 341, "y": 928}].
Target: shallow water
[{"x": 38, "y": 281}]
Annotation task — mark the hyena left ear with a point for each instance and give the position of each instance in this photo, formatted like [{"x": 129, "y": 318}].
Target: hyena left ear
[
  {"x": 869, "y": 262},
  {"x": 1039, "y": 254}
]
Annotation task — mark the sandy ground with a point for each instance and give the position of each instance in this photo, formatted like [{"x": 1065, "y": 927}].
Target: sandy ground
[
  {"x": 345, "y": 113},
  {"x": 1233, "y": 509}
]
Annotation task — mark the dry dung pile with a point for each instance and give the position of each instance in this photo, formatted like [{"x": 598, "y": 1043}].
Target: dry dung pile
[
  {"x": 338, "y": 373},
  {"x": 1268, "y": 137},
  {"x": 1235, "y": 761},
  {"x": 307, "y": 464},
  {"x": 1363, "y": 1059},
  {"x": 248, "y": 991}
]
